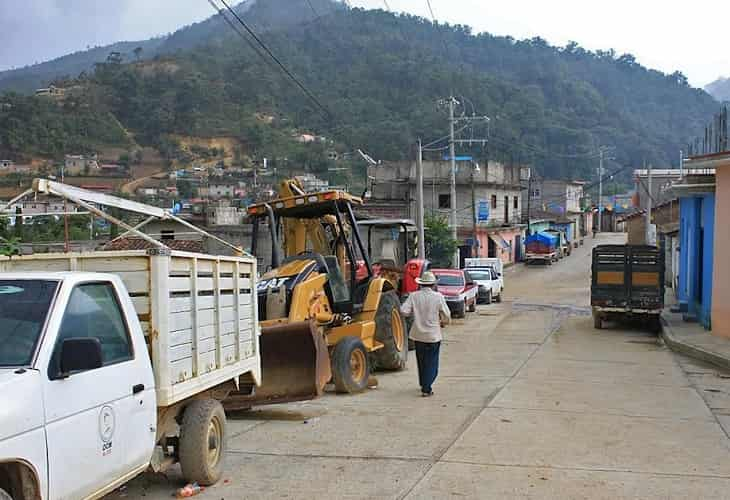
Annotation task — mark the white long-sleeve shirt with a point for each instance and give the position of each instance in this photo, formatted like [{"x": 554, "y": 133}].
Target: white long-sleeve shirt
[{"x": 428, "y": 308}]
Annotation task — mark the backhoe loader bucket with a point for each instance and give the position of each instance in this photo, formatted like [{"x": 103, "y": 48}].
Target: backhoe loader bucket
[{"x": 295, "y": 366}]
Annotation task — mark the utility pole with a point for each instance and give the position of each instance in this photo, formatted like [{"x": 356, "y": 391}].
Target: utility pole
[
  {"x": 600, "y": 190},
  {"x": 475, "y": 244},
  {"x": 453, "y": 141},
  {"x": 529, "y": 201},
  {"x": 66, "y": 245},
  {"x": 419, "y": 202},
  {"x": 648, "y": 208},
  {"x": 681, "y": 164},
  {"x": 452, "y": 154}
]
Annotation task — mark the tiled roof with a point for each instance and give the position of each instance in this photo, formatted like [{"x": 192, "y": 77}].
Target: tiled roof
[{"x": 140, "y": 244}]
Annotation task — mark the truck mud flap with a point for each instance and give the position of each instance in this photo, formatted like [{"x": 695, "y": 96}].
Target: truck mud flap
[{"x": 295, "y": 366}]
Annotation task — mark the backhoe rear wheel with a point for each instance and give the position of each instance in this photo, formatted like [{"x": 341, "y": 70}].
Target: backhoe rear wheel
[
  {"x": 202, "y": 442},
  {"x": 350, "y": 366},
  {"x": 390, "y": 330}
]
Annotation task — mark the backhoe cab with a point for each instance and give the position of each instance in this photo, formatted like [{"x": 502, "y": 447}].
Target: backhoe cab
[{"x": 320, "y": 318}]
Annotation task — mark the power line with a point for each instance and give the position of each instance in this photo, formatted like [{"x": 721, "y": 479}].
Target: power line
[
  {"x": 316, "y": 14},
  {"x": 235, "y": 28},
  {"x": 441, "y": 36},
  {"x": 302, "y": 87}
]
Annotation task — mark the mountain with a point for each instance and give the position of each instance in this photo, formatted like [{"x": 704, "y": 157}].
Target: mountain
[
  {"x": 377, "y": 79},
  {"x": 719, "y": 89},
  {"x": 29, "y": 78}
]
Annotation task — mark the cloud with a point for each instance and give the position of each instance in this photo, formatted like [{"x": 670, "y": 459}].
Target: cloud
[{"x": 39, "y": 30}]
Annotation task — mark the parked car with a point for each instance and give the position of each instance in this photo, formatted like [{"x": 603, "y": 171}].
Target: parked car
[
  {"x": 459, "y": 290},
  {"x": 489, "y": 284}
]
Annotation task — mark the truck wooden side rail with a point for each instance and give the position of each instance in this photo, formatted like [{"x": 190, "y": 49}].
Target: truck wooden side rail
[{"x": 627, "y": 280}]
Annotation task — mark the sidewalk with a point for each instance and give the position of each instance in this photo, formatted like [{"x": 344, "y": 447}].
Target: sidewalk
[{"x": 693, "y": 340}]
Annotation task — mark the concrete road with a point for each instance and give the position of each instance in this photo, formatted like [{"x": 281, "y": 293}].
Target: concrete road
[{"x": 531, "y": 402}]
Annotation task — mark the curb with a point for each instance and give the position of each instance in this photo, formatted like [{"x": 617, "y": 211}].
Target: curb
[{"x": 691, "y": 350}]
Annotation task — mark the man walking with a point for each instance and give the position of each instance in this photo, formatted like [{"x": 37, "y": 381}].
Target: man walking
[{"x": 430, "y": 312}]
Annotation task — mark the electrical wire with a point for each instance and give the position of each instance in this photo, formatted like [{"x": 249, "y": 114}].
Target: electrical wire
[{"x": 327, "y": 113}]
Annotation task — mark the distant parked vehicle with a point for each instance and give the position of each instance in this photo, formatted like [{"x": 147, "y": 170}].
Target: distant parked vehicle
[
  {"x": 564, "y": 247},
  {"x": 459, "y": 290},
  {"x": 627, "y": 281},
  {"x": 482, "y": 262},
  {"x": 489, "y": 284},
  {"x": 542, "y": 247}
]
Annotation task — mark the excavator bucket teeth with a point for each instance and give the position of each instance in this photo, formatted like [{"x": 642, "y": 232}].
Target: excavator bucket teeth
[{"x": 295, "y": 366}]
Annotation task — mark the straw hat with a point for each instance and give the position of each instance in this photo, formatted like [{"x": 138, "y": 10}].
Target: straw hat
[{"x": 428, "y": 278}]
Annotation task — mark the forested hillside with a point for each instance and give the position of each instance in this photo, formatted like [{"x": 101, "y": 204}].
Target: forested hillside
[{"x": 380, "y": 77}]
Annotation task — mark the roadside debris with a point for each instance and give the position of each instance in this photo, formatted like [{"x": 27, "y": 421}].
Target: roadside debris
[{"x": 189, "y": 490}]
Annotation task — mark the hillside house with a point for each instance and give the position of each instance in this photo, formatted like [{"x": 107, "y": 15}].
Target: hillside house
[{"x": 80, "y": 164}]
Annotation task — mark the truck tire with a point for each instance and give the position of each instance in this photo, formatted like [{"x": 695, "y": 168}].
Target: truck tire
[
  {"x": 460, "y": 310},
  {"x": 488, "y": 300},
  {"x": 4, "y": 495},
  {"x": 203, "y": 442},
  {"x": 655, "y": 324},
  {"x": 499, "y": 298},
  {"x": 473, "y": 306},
  {"x": 350, "y": 366},
  {"x": 597, "y": 322},
  {"x": 391, "y": 331}
]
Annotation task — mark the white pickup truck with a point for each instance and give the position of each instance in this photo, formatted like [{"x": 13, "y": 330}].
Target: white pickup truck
[{"x": 112, "y": 363}]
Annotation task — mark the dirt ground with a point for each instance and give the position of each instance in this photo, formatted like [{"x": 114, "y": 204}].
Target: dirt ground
[{"x": 531, "y": 402}]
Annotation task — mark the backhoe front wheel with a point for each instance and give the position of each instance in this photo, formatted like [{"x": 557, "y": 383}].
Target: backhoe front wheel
[
  {"x": 350, "y": 366},
  {"x": 391, "y": 331},
  {"x": 202, "y": 441}
]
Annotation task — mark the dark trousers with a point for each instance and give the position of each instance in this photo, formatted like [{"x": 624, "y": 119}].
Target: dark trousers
[{"x": 427, "y": 355}]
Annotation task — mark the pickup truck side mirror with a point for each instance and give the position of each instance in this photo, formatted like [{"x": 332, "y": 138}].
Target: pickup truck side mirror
[{"x": 80, "y": 354}]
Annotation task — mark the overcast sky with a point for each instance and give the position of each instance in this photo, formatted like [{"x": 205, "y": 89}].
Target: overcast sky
[{"x": 662, "y": 34}]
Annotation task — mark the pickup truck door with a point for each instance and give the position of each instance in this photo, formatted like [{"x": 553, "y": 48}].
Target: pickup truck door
[{"x": 88, "y": 414}]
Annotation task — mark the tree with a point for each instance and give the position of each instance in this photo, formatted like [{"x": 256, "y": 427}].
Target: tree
[
  {"x": 440, "y": 246},
  {"x": 138, "y": 53}
]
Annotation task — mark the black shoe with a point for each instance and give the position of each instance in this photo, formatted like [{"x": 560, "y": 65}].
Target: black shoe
[{"x": 426, "y": 394}]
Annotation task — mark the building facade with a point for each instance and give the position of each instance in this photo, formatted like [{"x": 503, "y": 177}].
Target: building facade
[{"x": 488, "y": 202}]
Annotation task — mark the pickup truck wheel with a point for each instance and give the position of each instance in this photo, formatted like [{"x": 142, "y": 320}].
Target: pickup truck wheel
[
  {"x": 498, "y": 299},
  {"x": 391, "y": 331},
  {"x": 350, "y": 365},
  {"x": 473, "y": 306},
  {"x": 4, "y": 495},
  {"x": 203, "y": 442},
  {"x": 597, "y": 322},
  {"x": 488, "y": 300}
]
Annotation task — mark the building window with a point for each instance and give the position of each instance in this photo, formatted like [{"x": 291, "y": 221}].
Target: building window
[
  {"x": 506, "y": 209},
  {"x": 536, "y": 193},
  {"x": 444, "y": 201},
  {"x": 494, "y": 201},
  {"x": 516, "y": 202}
]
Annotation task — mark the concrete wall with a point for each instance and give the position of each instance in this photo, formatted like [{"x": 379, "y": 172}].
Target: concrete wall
[
  {"x": 721, "y": 266},
  {"x": 508, "y": 251},
  {"x": 397, "y": 181}
]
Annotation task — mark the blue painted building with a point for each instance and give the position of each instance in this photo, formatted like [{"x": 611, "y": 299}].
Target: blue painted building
[{"x": 696, "y": 251}]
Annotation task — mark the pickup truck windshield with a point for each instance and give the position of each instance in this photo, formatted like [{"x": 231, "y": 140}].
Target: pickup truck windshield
[
  {"x": 450, "y": 280},
  {"x": 24, "y": 305},
  {"x": 481, "y": 275}
]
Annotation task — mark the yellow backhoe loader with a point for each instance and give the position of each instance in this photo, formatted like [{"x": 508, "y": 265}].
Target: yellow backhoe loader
[{"x": 323, "y": 313}]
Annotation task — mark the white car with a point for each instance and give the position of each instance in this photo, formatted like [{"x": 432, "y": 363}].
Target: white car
[{"x": 490, "y": 284}]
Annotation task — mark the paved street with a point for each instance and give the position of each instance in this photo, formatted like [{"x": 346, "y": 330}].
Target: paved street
[{"x": 531, "y": 402}]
